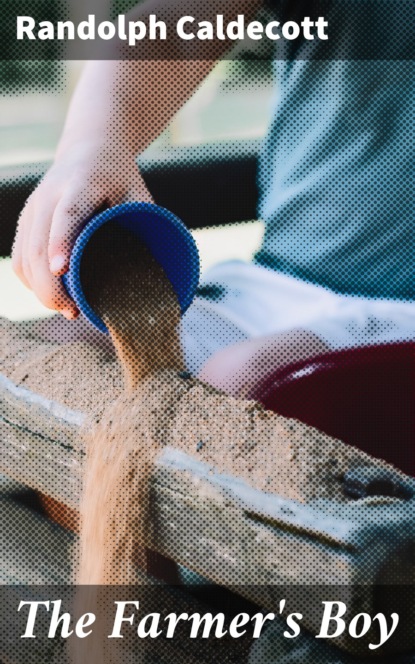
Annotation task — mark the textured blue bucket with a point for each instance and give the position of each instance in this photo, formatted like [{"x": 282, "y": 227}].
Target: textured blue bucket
[{"x": 168, "y": 239}]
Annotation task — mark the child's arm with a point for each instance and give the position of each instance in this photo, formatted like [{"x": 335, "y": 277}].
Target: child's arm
[{"x": 118, "y": 109}]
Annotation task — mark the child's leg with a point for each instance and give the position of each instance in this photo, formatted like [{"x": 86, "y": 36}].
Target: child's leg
[{"x": 236, "y": 369}]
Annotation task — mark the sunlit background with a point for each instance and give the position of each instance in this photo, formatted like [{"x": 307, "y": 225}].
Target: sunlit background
[{"x": 232, "y": 104}]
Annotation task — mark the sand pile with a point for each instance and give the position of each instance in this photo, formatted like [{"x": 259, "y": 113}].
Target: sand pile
[
  {"x": 146, "y": 401},
  {"x": 238, "y": 437},
  {"x": 269, "y": 452}
]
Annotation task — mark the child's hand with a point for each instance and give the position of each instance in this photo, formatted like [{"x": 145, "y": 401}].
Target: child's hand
[{"x": 80, "y": 182}]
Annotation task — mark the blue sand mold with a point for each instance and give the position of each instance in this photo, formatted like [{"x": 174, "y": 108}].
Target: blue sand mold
[{"x": 164, "y": 234}]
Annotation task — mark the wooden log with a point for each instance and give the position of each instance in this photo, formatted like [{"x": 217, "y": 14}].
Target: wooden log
[
  {"x": 221, "y": 527},
  {"x": 35, "y": 566}
]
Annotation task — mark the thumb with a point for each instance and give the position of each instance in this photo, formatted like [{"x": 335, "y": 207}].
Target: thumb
[{"x": 68, "y": 220}]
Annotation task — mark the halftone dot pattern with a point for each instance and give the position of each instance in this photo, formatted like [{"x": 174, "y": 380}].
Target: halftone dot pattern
[
  {"x": 338, "y": 210},
  {"x": 373, "y": 30},
  {"x": 311, "y": 490}
]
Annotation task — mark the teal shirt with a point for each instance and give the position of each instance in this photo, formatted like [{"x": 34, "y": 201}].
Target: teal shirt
[{"x": 337, "y": 176}]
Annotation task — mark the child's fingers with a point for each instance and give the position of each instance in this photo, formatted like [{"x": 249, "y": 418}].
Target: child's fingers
[
  {"x": 17, "y": 253},
  {"x": 36, "y": 229},
  {"x": 51, "y": 292},
  {"x": 50, "y": 223},
  {"x": 20, "y": 258},
  {"x": 68, "y": 219},
  {"x": 47, "y": 288}
]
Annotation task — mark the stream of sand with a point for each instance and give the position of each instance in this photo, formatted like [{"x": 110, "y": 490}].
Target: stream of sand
[
  {"x": 131, "y": 293},
  {"x": 156, "y": 404}
]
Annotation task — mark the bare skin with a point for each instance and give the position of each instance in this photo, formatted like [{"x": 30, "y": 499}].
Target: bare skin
[
  {"x": 235, "y": 369},
  {"x": 94, "y": 166},
  {"x": 238, "y": 368}
]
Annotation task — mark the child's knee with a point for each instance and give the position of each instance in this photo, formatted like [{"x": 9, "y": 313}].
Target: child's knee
[{"x": 237, "y": 368}]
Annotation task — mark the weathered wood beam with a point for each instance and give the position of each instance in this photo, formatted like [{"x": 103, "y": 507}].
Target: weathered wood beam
[
  {"x": 35, "y": 557},
  {"x": 219, "y": 526}
]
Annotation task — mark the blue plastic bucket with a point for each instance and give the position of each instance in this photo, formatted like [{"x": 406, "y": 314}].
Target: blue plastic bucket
[{"x": 168, "y": 239}]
